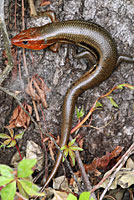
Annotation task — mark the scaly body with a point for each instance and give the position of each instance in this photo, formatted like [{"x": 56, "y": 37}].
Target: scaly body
[{"x": 98, "y": 44}]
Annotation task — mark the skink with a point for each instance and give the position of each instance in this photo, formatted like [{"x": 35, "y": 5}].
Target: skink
[{"x": 98, "y": 44}]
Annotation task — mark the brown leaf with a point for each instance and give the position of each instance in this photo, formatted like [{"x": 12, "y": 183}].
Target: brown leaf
[
  {"x": 37, "y": 90},
  {"x": 45, "y": 3},
  {"x": 103, "y": 162},
  {"x": 99, "y": 163},
  {"x": 19, "y": 117},
  {"x": 116, "y": 151}
]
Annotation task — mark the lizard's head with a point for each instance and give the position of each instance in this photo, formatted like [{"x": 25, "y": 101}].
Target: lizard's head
[{"x": 30, "y": 39}]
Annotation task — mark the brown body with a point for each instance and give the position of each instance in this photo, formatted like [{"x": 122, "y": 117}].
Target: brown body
[{"x": 98, "y": 44}]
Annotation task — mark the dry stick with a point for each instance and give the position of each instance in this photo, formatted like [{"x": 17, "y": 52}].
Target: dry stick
[
  {"x": 124, "y": 159},
  {"x": 9, "y": 66},
  {"x": 94, "y": 106},
  {"x": 83, "y": 172},
  {"x": 23, "y": 27},
  {"x": 32, "y": 8},
  {"x": 23, "y": 21},
  {"x": 25, "y": 63},
  {"x": 36, "y": 124},
  {"x": 36, "y": 111},
  {"x": 15, "y": 15},
  {"x": 46, "y": 155}
]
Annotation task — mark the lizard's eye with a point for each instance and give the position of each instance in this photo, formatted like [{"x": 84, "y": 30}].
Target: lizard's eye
[{"x": 25, "y": 42}]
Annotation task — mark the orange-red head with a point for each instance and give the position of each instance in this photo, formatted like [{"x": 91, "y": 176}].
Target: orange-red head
[{"x": 30, "y": 39}]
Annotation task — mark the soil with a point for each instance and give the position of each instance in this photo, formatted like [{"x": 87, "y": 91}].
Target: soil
[{"x": 114, "y": 126}]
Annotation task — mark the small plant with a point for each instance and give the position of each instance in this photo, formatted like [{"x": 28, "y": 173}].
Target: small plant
[
  {"x": 83, "y": 196},
  {"x": 79, "y": 113},
  {"x": 113, "y": 102},
  {"x": 69, "y": 149},
  {"x": 11, "y": 180},
  {"x": 11, "y": 140}
]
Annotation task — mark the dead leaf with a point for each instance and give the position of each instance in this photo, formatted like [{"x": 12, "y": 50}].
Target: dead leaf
[
  {"x": 130, "y": 163},
  {"x": 100, "y": 163},
  {"x": 61, "y": 183},
  {"x": 58, "y": 195},
  {"x": 19, "y": 117},
  {"x": 34, "y": 151},
  {"x": 16, "y": 159},
  {"x": 37, "y": 90},
  {"x": 124, "y": 178},
  {"x": 103, "y": 162}
]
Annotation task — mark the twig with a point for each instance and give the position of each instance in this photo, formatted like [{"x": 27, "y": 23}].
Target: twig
[
  {"x": 23, "y": 27},
  {"x": 122, "y": 162},
  {"x": 32, "y": 8},
  {"x": 98, "y": 128},
  {"x": 83, "y": 172},
  {"x": 9, "y": 66},
  {"x": 93, "y": 108},
  {"x": 15, "y": 15},
  {"x": 43, "y": 144},
  {"x": 23, "y": 21},
  {"x": 36, "y": 111},
  {"x": 123, "y": 159}
]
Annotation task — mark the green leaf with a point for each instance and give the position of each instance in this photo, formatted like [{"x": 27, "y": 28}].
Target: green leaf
[
  {"x": 30, "y": 188},
  {"x": 71, "y": 197},
  {"x": 12, "y": 144},
  {"x": 84, "y": 195},
  {"x": 2, "y": 145},
  {"x": 22, "y": 191},
  {"x": 6, "y": 171},
  {"x": 79, "y": 113},
  {"x": 4, "y": 136},
  {"x": 72, "y": 155},
  {"x": 65, "y": 154},
  {"x": 6, "y": 142},
  {"x": 25, "y": 167},
  {"x": 113, "y": 102},
  {"x": 76, "y": 148},
  {"x": 71, "y": 142},
  {"x": 64, "y": 147},
  {"x": 98, "y": 104},
  {"x": 19, "y": 136},
  {"x": 11, "y": 131},
  {"x": 8, "y": 192},
  {"x": 4, "y": 180}
]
